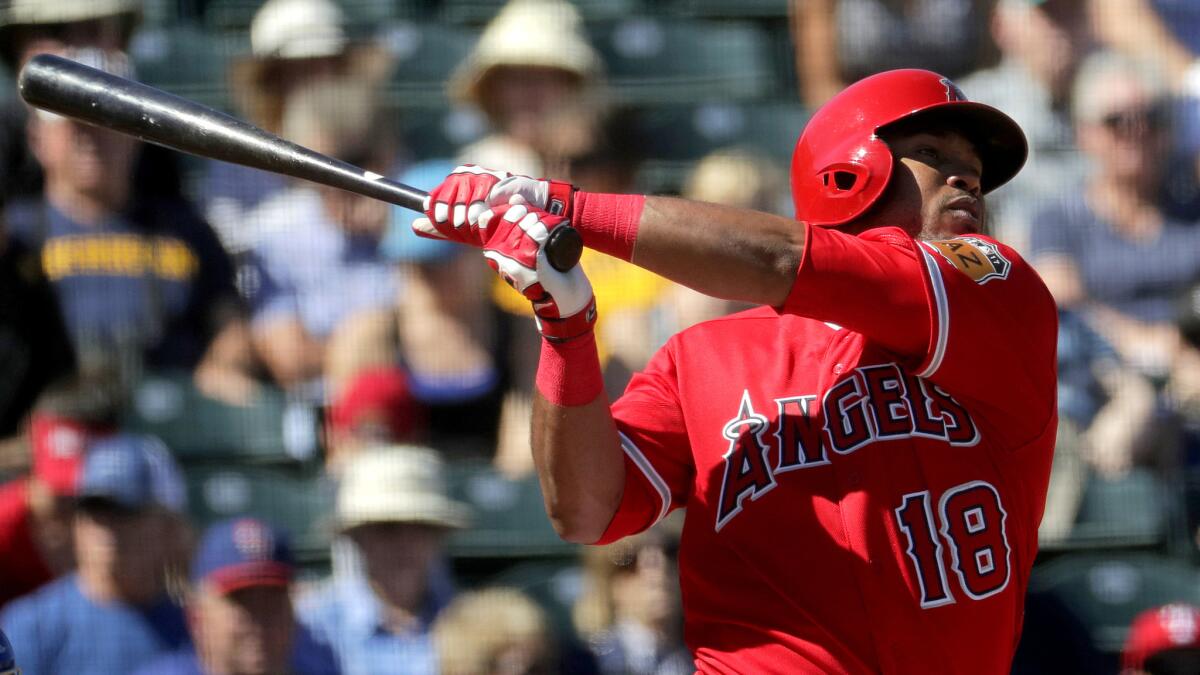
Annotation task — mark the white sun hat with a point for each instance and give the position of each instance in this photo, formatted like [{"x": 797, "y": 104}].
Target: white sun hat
[
  {"x": 397, "y": 484},
  {"x": 538, "y": 33},
  {"x": 37, "y": 12},
  {"x": 298, "y": 29}
]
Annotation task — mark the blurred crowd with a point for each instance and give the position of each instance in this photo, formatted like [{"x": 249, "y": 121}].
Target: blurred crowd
[{"x": 166, "y": 322}]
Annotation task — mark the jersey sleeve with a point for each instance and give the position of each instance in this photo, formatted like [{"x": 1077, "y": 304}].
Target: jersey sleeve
[
  {"x": 657, "y": 454},
  {"x": 968, "y": 313}
]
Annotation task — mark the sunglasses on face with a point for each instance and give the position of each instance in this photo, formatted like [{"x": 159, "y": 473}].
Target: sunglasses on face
[{"x": 1136, "y": 121}]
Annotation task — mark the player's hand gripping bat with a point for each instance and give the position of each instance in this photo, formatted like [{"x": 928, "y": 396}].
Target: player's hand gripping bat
[{"x": 74, "y": 90}]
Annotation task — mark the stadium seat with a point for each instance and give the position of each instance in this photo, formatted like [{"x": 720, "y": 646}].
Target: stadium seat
[
  {"x": 676, "y": 136},
  {"x": 508, "y": 517},
  {"x": 186, "y": 60},
  {"x": 652, "y": 60},
  {"x": 742, "y": 9},
  {"x": 1134, "y": 510},
  {"x": 301, "y": 502},
  {"x": 425, "y": 54},
  {"x": 432, "y": 133},
  {"x": 556, "y": 585},
  {"x": 199, "y": 429},
  {"x": 689, "y": 132},
  {"x": 230, "y": 15},
  {"x": 1106, "y": 590}
]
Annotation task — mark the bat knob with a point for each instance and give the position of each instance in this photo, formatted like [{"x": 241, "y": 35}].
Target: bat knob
[{"x": 564, "y": 246}]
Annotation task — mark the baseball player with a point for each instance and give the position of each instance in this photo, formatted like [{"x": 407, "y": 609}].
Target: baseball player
[
  {"x": 8, "y": 662},
  {"x": 864, "y": 458}
]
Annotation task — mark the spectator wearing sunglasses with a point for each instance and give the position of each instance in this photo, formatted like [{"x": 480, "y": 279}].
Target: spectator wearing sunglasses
[{"x": 1116, "y": 249}]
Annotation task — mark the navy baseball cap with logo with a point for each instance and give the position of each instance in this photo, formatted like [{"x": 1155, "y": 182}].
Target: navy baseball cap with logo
[{"x": 243, "y": 552}]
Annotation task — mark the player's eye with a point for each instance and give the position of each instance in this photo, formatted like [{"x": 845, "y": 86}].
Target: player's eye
[{"x": 927, "y": 152}]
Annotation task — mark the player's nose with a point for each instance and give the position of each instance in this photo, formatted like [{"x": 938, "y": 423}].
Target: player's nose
[{"x": 965, "y": 179}]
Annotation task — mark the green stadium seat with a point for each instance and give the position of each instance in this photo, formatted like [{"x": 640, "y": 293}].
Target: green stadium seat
[
  {"x": 301, "y": 502},
  {"x": 431, "y": 133},
  {"x": 689, "y": 132},
  {"x": 1106, "y": 590},
  {"x": 556, "y": 585},
  {"x": 186, "y": 60},
  {"x": 1133, "y": 510},
  {"x": 199, "y": 429},
  {"x": 741, "y": 9},
  {"x": 675, "y": 137},
  {"x": 652, "y": 60},
  {"x": 508, "y": 517},
  {"x": 230, "y": 15},
  {"x": 425, "y": 54}
]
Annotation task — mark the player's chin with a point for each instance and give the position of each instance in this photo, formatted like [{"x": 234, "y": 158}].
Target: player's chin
[{"x": 956, "y": 223}]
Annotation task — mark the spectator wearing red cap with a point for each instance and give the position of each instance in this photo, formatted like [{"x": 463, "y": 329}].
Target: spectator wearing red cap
[
  {"x": 1163, "y": 641},
  {"x": 240, "y": 610},
  {"x": 375, "y": 408},
  {"x": 36, "y": 510}
]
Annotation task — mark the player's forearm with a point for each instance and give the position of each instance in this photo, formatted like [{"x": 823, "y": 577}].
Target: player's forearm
[
  {"x": 576, "y": 448},
  {"x": 720, "y": 251}
]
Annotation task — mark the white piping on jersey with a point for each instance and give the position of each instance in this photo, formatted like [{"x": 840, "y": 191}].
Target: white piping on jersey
[
  {"x": 943, "y": 312},
  {"x": 833, "y": 326},
  {"x": 647, "y": 469}
]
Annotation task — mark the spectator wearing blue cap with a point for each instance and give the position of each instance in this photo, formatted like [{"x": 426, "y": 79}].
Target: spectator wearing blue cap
[
  {"x": 240, "y": 609},
  {"x": 113, "y": 614}
]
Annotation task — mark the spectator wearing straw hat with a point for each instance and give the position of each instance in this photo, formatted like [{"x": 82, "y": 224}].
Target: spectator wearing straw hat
[
  {"x": 533, "y": 59},
  {"x": 392, "y": 504},
  {"x": 293, "y": 43}
]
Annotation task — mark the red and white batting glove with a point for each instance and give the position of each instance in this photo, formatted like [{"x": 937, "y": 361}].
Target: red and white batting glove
[
  {"x": 454, "y": 208},
  {"x": 514, "y": 242}
]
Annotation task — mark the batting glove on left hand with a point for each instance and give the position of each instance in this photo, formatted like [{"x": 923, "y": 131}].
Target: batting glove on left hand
[
  {"x": 455, "y": 207},
  {"x": 514, "y": 246}
]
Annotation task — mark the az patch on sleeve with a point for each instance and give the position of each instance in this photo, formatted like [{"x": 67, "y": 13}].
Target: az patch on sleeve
[{"x": 977, "y": 258}]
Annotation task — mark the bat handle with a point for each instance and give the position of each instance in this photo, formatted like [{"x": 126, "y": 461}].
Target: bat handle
[{"x": 564, "y": 246}]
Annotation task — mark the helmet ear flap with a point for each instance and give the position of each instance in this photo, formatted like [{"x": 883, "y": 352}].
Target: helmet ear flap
[{"x": 843, "y": 179}]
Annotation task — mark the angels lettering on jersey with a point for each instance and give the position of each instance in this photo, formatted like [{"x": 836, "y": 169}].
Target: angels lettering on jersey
[{"x": 869, "y": 405}]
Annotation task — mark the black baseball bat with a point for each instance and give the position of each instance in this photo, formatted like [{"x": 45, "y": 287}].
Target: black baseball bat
[{"x": 74, "y": 90}]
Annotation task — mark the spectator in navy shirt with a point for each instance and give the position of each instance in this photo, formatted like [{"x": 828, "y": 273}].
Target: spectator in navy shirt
[
  {"x": 140, "y": 280},
  {"x": 240, "y": 609},
  {"x": 113, "y": 614}
]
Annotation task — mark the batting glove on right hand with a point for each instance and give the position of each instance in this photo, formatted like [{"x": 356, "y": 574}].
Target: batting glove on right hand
[
  {"x": 454, "y": 208},
  {"x": 515, "y": 247}
]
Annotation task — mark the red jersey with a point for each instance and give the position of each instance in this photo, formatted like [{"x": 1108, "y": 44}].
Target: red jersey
[
  {"x": 864, "y": 470},
  {"x": 22, "y": 568}
]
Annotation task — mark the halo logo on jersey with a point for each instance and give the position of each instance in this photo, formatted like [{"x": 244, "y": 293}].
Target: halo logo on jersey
[{"x": 977, "y": 258}]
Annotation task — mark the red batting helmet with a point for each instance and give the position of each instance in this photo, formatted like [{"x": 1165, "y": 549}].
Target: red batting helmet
[{"x": 841, "y": 165}]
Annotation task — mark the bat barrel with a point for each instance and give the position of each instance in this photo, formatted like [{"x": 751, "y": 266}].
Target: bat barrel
[
  {"x": 94, "y": 96},
  {"x": 74, "y": 90}
]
